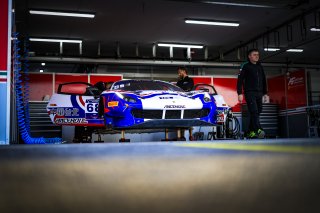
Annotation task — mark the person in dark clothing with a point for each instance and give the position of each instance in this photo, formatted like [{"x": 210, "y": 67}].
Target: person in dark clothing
[
  {"x": 184, "y": 82},
  {"x": 108, "y": 85},
  {"x": 100, "y": 86},
  {"x": 252, "y": 80}
]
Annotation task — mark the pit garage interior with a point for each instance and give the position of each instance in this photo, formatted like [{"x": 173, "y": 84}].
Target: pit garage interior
[{"x": 52, "y": 49}]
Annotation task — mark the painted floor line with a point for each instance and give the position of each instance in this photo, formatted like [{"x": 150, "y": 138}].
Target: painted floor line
[{"x": 258, "y": 147}]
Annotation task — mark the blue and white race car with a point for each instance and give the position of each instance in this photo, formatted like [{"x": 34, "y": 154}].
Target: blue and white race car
[{"x": 137, "y": 104}]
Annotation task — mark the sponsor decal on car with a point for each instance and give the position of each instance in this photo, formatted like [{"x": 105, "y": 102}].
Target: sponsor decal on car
[
  {"x": 220, "y": 118},
  {"x": 174, "y": 106},
  {"x": 65, "y": 111},
  {"x": 113, "y": 103},
  {"x": 165, "y": 97},
  {"x": 71, "y": 121}
]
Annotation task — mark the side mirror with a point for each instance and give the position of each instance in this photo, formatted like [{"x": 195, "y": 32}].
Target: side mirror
[{"x": 204, "y": 89}]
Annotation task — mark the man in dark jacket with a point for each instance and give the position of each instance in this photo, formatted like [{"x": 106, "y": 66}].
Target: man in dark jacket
[
  {"x": 252, "y": 80},
  {"x": 184, "y": 82}
]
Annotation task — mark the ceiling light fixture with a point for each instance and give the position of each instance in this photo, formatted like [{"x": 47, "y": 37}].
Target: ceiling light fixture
[
  {"x": 41, "y": 70},
  {"x": 57, "y": 13},
  {"x": 271, "y": 49},
  {"x": 315, "y": 29},
  {"x": 180, "y": 45},
  {"x": 56, "y": 40},
  {"x": 295, "y": 50},
  {"x": 43, "y": 64},
  {"x": 238, "y": 4},
  {"x": 212, "y": 22}
]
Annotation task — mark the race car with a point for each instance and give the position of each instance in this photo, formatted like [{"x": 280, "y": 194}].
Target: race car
[{"x": 136, "y": 104}]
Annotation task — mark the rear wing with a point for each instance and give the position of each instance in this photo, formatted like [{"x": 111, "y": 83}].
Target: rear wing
[
  {"x": 205, "y": 88},
  {"x": 77, "y": 88}
]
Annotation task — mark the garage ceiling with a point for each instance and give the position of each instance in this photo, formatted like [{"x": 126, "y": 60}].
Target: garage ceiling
[{"x": 131, "y": 22}]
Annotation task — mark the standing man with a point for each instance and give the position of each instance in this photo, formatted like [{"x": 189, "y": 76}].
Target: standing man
[
  {"x": 252, "y": 80},
  {"x": 184, "y": 81}
]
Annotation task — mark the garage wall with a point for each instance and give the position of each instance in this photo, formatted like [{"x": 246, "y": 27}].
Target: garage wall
[
  {"x": 170, "y": 73},
  {"x": 95, "y": 78},
  {"x": 233, "y": 72},
  {"x": 65, "y": 78},
  {"x": 314, "y": 86},
  {"x": 142, "y": 72},
  {"x": 290, "y": 93},
  {"x": 225, "y": 86},
  {"x": 314, "y": 76},
  {"x": 40, "y": 85},
  {"x": 276, "y": 91},
  {"x": 43, "y": 84}
]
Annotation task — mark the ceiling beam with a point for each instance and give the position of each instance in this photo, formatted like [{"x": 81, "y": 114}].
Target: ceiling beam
[
  {"x": 83, "y": 60},
  {"x": 248, "y": 3},
  {"x": 260, "y": 36},
  {"x": 292, "y": 46}
]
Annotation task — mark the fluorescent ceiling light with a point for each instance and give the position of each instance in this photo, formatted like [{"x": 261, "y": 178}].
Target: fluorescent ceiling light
[
  {"x": 216, "y": 23},
  {"x": 70, "y": 14},
  {"x": 55, "y": 40},
  {"x": 315, "y": 29},
  {"x": 43, "y": 64},
  {"x": 239, "y": 4},
  {"x": 295, "y": 50},
  {"x": 180, "y": 45},
  {"x": 271, "y": 49},
  {"x": 40, "y": 70}
]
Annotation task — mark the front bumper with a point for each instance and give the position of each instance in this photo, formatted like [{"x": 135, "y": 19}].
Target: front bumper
[{"x": 169, "y": 123}]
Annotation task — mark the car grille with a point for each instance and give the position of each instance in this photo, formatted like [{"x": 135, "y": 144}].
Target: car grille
[
  {"x": 195, "y": 113},
  {"x": 147, "y": 114},
  {"x": 173, "y": 114},
  {"x": 170, "y": 114}
]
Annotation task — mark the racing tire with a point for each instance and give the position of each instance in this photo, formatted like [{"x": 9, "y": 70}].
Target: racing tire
[
  {"x": 181, "y": 139},
  {"x": 123, "y": 140}
]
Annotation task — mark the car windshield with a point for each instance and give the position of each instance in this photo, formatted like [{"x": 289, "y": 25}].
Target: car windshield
[{"x": 144, "y": 85}]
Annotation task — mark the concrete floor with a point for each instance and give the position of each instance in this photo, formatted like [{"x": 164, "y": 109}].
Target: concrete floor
[{"x": 221, "y": 176}]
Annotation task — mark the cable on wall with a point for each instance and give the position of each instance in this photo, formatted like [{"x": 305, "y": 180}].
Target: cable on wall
[{"x": 21, "y": 86}]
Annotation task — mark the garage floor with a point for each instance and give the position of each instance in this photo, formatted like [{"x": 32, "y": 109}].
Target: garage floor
[{"x": 221, "y": 176}]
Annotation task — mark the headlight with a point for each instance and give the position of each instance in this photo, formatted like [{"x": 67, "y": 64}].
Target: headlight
[
  {"x": 207, "y": 99},
  {"x": 129, "y": 99}
]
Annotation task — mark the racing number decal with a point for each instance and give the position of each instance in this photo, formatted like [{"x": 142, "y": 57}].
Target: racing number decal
[{"x": 91, "y": 107}]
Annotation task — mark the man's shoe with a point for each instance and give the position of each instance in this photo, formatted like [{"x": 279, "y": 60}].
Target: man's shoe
[
  {"x": 252, "y": 135},
  {"x": 261, "y": 133}
]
